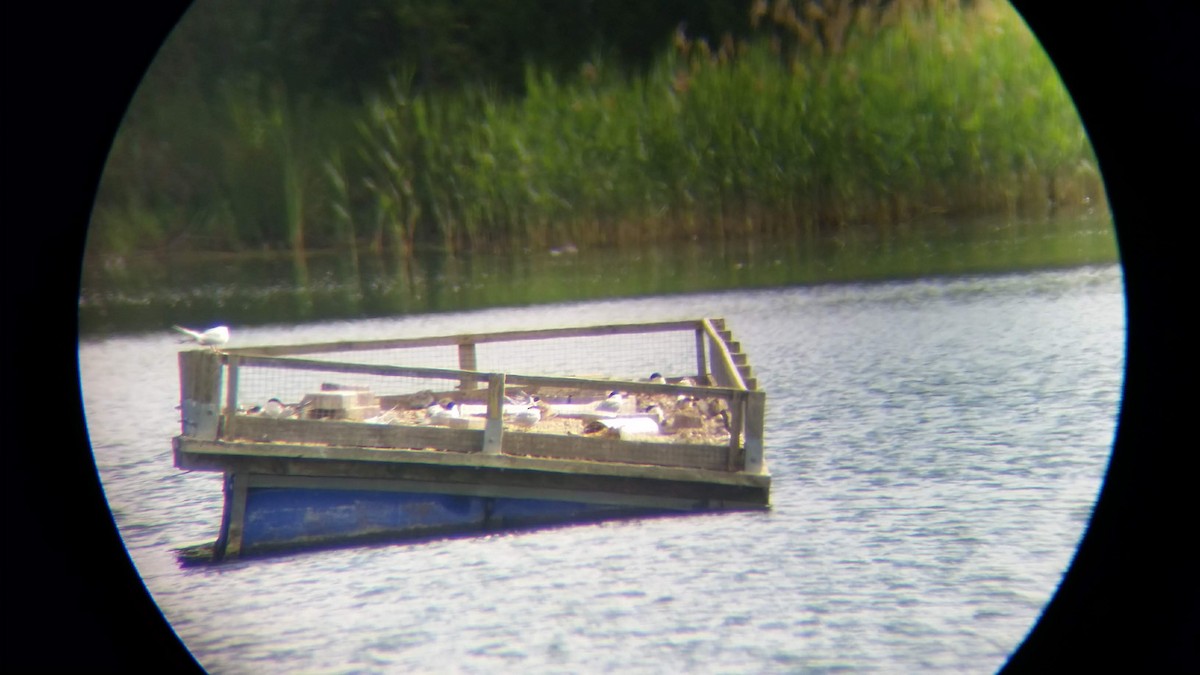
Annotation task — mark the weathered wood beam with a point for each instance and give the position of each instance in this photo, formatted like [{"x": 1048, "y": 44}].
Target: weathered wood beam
[
  {"x": 200, "y": 393},
  {"x": 493, "y": 430},
  {"x": 756, "y": 403},
  {"x": 466, "y": 338},
  {"x": 491, "y": 480},
  {"x": 459, "y": 375},
  {"x": 219, "y": 455}
]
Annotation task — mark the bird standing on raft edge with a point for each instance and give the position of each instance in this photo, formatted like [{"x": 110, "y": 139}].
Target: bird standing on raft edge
[{"x": 210, "y": 338}]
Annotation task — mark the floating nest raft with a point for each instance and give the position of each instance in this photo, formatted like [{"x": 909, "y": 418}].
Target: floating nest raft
[{"x": 559, "y": 411}]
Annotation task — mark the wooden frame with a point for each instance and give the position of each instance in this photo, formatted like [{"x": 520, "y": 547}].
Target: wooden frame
[
  {"x": 501, "y": 474},
  {"x": 717, "y": 360},
  {"x": 465, "y": 339}
]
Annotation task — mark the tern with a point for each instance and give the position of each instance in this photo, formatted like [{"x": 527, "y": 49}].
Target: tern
[
  {"x": 544, "y": 409},
  {"x": 441, "y": 412},
  {"x": 655, "y": 410},
  {"x": 209, "y": 338},
  {"x": 528, "y": 417},
  {"x": 612, "y": 403},
  {"x": 623, "y": 427},
  {"x": 278, "y": 409},
  {"x": 657, "y": 378}
]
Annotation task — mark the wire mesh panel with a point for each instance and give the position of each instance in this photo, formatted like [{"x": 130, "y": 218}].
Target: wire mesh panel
[
  {"x": 439, "y": 356},
  {"x": 633, "y": 357},
  {"x": 281, "y": 389},
  {"x": 590, "y": 387},
  {"x": 629, "y": 352}
]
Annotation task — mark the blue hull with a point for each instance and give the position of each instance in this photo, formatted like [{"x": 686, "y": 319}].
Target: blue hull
[{"x": 284, "y": 518}]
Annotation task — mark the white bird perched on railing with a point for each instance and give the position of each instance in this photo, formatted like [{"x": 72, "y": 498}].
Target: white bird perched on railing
[{"x": 210, "y": 338}]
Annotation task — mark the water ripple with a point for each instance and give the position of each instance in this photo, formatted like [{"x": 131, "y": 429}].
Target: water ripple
[{"x": 936, "y": 447}]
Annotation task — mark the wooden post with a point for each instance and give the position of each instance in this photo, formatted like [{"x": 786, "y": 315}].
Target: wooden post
[
  {"x": 231, "y": 395},
  {"x": 493, "y": 430},
  {"x": 701, "y": 359},
  {"x": 725, "y": 373},
  {"x": 200, "y": 393},
  {"x": 756, "y": 404},
  {"x": 714, "y": 364},
  {"x": 722, "y": 375},
  {"x": 233, "y": 521},
  {"x": 737, "y": 418},
  {"x": 748, "y": 378},
  {"x": 467, "y": 361}
]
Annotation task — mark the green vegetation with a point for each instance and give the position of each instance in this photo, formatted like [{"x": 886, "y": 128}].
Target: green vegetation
[{"x": 862, "y": 115}]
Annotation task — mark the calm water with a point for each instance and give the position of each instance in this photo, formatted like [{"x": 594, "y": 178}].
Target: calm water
[
  {"x": 149, "y": 292},
  {"x": 937, "y": 447}
]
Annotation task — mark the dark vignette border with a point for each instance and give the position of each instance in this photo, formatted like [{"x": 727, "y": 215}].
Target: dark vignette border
[{"x": 74, "y": 603}]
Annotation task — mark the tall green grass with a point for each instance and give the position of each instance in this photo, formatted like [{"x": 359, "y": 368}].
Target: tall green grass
[{"x": 929, "y": 109}]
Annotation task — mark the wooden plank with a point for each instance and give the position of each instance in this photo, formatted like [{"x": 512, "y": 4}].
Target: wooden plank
[
  {"x": 493, "y": 430},
  {"x": 227, "y": 507},
  {"x": 628, "y": 386},
  {"x": 476, "y": 338},
  {"x": 200, "y": 375},
  {"x": 467, "y": 361},
  {"x": 474, "y": 490},
  {"x": 359, "y": 368},
  {"x": 756, "y": 403},
  {"x": 722, "y": 362},
  {"x": 686, "y": 455},
  {"x": 218, "y": 455},
  {"x": 701, "y": 358},
  {"x": 726, "y": 488},
  {"x": 231, "y": 394},
  {"x": 199, "y": 393},
  {"x": 353, "y": 434},
  {"x": 339, "y": 433},
  {"x": 736, "y": 421},
  {"x": 230, "y": 542},
  {"x": 451, "y": 374},
  {"x": 746, "y": 372},
  {"x": 719, "y": 365}
]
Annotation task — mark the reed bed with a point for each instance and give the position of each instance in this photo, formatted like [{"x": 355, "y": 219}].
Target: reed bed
[{"x": 876, "y": 120}]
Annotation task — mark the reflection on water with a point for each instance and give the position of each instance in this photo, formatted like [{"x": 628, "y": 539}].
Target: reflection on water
[{"x": 154, "y": 292}]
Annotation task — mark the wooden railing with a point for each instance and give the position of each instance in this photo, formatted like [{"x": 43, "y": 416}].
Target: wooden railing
[
  {"x": 210, "y": 400},
  {"x": 467, "y": 339}
]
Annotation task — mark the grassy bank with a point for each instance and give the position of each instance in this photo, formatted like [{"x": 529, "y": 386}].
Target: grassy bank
[{"x": 927, "y": 109}]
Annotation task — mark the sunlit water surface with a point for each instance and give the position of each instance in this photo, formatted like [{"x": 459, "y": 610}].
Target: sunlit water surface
[{"x": 937, "y": 447}]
